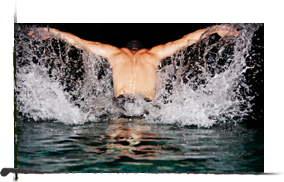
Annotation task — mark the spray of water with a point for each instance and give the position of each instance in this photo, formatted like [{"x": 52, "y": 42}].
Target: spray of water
[{"x": 202, "y": 85}]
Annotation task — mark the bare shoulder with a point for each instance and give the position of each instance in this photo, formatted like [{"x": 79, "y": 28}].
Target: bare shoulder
[
  {"x": 150, "y": 56},
  {"x": 122, "y": 52},
  {"x": 145, "y": 53},
  {"x": 120, "y": 56}
]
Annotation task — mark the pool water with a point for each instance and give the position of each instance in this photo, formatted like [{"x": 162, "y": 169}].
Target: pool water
[
  {"x": 209, "y": 117},
  {"x": 131, "y": 145}
]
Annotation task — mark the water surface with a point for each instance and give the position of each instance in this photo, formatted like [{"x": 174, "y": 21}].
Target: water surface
[
  {"x": 207, "y": 114},
  {"x": 135, "y": 146}
]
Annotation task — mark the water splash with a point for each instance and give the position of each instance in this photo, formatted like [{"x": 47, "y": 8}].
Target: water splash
[{"x": 202, "y": 85}]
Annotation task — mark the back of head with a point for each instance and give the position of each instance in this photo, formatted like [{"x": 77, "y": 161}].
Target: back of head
[{"x": 134, "y": 45}]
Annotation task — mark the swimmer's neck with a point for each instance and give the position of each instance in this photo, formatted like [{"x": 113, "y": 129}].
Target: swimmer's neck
[{"x": 134, "y": 52}]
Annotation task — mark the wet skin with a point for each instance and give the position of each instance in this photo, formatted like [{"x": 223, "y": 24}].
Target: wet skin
[{"x": 135, "y": 71}]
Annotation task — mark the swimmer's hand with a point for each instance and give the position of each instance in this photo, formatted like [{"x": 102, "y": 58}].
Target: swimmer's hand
[
  {"x": 42, "y": 33},
  {"x": 227, "y": 32}
]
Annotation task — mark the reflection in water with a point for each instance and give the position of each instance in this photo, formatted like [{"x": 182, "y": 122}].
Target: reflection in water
[
  {"x": 135, "y": 146},
  {"x": 128, "y": 137},
  {"x": 52, "y": 84}
]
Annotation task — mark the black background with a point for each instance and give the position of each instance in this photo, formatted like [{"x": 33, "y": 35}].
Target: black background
[
  {"x": 152, "y": 34},
  {"x": 118, "y": 34}
]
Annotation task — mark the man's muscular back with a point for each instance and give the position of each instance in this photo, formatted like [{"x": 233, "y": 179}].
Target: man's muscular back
[{"x": 134, "y": 72}]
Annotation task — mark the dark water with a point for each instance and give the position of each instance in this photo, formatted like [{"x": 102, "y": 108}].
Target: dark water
[{"x": 134, "y": 146}]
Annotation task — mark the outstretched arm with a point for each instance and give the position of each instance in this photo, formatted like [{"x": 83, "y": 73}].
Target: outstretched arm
[
  {"x": 163, "y": 51},
  {"x": 104, "y": 50}
]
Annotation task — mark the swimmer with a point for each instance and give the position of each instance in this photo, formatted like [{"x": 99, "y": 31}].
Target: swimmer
[{"x": 134, "y": 67}]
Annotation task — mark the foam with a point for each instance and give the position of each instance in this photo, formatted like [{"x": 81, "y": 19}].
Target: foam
[{"x": 195, "y": 89}]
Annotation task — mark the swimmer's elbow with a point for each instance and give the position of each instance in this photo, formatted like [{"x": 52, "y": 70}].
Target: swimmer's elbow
[
  {"x": 158, "y": 51},
  {"x": 171, "y": 48},
  {"x": 94, "y": 47}
]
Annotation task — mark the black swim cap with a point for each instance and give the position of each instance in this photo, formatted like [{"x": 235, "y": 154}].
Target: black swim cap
[{"x": 134, "y": 44}]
